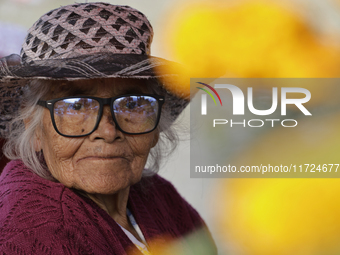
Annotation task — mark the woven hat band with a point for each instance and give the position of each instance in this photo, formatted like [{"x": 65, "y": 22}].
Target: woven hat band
[{"x": 75, "y": 30}]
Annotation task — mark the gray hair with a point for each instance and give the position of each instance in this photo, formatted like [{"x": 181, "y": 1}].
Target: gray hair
[{"x": 21, "y": 140}]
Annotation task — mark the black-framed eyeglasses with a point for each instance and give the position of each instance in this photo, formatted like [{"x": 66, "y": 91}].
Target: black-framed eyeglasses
[{"x": 78, "y": 116}]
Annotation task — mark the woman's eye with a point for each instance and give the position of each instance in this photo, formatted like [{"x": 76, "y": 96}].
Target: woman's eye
[
  {"x": 76, "y": 106},
  {"x": 130, "y": 105}
]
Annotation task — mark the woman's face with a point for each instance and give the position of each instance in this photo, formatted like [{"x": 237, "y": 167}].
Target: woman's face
[{"x": 105, "y": 161}]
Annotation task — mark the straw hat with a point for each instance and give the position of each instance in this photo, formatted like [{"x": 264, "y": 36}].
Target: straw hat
[{"x": 83, "y": 41}]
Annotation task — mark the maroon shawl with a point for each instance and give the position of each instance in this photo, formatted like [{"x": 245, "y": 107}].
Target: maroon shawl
[{"x": 38, "y": 216}]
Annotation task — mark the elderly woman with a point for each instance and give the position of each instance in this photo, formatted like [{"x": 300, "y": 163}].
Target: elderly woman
[{"x": 83, "y": 109}]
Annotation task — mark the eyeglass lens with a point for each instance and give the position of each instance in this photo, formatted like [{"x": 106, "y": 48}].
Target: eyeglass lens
[{"x": 79, "y": 116}]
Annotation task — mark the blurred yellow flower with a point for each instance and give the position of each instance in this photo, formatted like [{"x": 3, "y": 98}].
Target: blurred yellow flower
[
  {"x": 250, "y": 39},
  {"x": 260, "y": 39}
]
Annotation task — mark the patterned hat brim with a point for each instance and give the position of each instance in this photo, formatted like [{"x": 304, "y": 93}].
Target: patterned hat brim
[
  {"x": 13, "y": 77},
  {"x": 103, "y": 65}
]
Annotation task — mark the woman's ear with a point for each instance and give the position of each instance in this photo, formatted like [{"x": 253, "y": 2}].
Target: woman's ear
[{"x": 37, "y": 136}]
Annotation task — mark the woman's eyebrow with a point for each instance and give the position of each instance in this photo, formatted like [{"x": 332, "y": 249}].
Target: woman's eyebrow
[
  {"x": 67, "y": 90},
  {"x": 134, "y": 91},
  {"x": 138, "y": 90},
  {"x": 75, "y": 91}
]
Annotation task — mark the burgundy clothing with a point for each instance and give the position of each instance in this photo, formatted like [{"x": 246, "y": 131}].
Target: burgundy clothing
[{"x": 38, "y": 216}]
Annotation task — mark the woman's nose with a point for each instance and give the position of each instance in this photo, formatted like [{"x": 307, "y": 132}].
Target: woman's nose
[{"x": 106, "y": 129}]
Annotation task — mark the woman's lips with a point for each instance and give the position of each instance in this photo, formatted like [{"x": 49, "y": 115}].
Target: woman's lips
[{"x": 102, "y": 158}]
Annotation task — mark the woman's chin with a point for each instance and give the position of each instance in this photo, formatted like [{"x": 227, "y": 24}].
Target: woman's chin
[{"x": 106, "y": 183}]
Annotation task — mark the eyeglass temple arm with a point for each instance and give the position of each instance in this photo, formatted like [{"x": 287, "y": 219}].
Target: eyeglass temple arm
[{"x": 42, "y": 103}]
